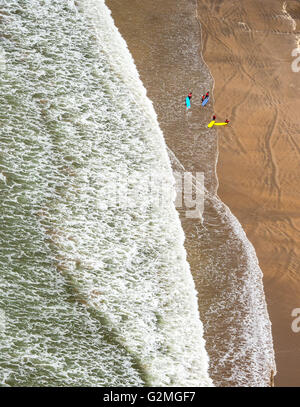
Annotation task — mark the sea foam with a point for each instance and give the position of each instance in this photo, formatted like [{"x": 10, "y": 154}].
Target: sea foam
[{"x": 95, "y": 292}]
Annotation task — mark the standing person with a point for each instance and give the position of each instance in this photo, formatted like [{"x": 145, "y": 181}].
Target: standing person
[
  {"x": 213, "y": 121},
  {"x": 207, "y": 95},
  {"x": 188, "y": 102},
  {"x": 190, "y": 95},
  {"x": 203, "y": 97},
  {"x": 226, "y": 121}
]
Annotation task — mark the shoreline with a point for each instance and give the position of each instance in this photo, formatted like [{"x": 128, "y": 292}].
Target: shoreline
[
  {"x": 208, "y": 245},
  {"x": 258, "y": 165}
]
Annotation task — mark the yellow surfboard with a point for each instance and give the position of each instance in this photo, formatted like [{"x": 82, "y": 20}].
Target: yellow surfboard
[
  {"x": 220, "y": 124},
  {"x": 211, "y": 123}
]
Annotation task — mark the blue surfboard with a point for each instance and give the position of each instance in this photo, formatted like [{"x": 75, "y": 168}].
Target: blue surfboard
[
  {"x": 187, "y": 102},
  {"x": 205, "y": 101}
]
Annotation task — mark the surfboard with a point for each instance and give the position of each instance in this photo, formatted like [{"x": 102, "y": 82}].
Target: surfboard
[
  {"x": 211, "y": 123},
  {"x": 205, "y": 101},
  {"x": 187, "y": 102},
  {"x": 220, "y": 124}
]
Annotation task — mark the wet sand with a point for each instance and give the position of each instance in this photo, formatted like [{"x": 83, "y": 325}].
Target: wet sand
[
  {"x": 165, "y": 41},
  {"x": 247, "y": 46}
]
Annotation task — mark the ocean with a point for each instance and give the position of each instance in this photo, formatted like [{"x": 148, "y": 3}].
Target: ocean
[
  {"x": 94, "y": 292},
  {"x": 95, "y": 285}
]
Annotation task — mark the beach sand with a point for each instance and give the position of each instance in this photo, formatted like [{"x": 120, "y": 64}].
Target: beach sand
[{"x": 247, "y": 46}]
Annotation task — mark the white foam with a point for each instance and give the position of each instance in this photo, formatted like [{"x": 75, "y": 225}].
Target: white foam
[{"x": 81, "y": 122}]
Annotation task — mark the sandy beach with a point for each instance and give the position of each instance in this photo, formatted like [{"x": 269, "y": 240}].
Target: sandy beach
[{"x": 247, "y": 47}]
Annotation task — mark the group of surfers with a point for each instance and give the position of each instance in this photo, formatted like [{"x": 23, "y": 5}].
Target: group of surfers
[
  {"x": 203, "y": 97},
  {"x": 212, "y": 123}
]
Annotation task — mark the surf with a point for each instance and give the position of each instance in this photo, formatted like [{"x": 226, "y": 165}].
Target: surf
[{"x": 107, "y": 290}]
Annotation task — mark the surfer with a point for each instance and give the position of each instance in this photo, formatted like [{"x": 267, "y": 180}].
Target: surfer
[
  {"x": 226, "y": 121},
  {"x": 190, "y": 95},
  {"x": 205, "y": 98},
  {"x": 214, "y": 117},
  {"x": 188, "y": 102}
]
